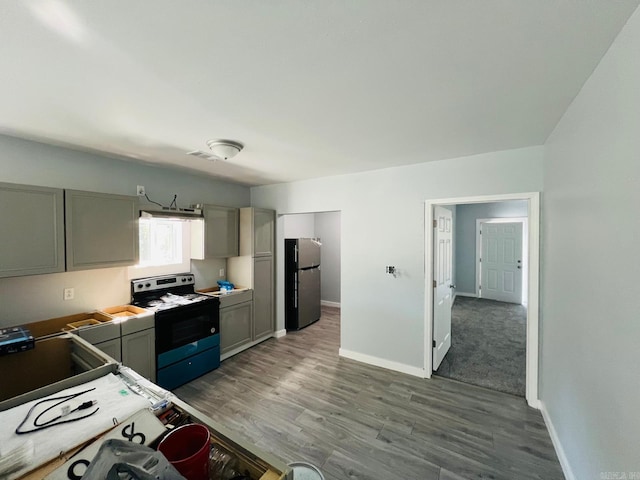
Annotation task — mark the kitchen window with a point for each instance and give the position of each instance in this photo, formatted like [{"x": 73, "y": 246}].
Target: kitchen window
[{"x": 164, "y": 247}]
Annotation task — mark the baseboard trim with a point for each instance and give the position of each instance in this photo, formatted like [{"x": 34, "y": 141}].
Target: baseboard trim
[
  {"x": 279, "y": 333},
  {"x": 465, "y": 294},
  {"x": 327, "y": 303},
  {"x": 557, "y": 445},
  {"x": 535, "y": 403},
  {"x": 381, "y": 362}
]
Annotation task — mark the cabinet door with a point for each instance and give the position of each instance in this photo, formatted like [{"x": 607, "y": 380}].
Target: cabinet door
[
  {"x": 221, "y": 231},
  {"x": 262, "y": 297},
  {"x": 235, "y": 326},
  {"x": 32, "y": 232},
  {"x": 102, "y": 230},
  {"x": 263, "y": 232},
  {"x": 139, "y": 353},
  {"x": 111, "y": 348}
]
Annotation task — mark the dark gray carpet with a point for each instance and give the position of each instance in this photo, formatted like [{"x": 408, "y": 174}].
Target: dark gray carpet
[{"x": 488, "y": 345}]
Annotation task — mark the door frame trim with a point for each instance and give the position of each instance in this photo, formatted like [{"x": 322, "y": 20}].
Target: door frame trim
[
  {"x": 525, "y": 247},
  {"x": 533, "y": 198}
]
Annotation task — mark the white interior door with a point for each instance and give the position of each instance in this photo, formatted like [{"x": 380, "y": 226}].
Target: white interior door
[
  {"x": 501, "y": 262},
  {"x": 442, "y": 274}
]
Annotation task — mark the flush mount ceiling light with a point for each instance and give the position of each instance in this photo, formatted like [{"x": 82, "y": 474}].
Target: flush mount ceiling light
[{"x": 225, "y": 149}]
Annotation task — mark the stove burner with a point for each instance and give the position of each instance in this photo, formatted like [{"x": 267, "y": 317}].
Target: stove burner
[
  {"x": 171, "y": 300},
  {"x": 166, "y": 292}
]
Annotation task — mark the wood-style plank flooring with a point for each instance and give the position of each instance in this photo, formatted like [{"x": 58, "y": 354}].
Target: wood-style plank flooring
[{"x": 297, "y": 398}]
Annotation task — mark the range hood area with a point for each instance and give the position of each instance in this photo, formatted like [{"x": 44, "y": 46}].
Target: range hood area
[{"x": 168, "y": 212}]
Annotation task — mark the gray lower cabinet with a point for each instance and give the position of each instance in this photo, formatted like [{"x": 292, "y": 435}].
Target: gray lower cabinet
[
  {"x": 263, "y": 325},
  {"x": 132, "y": 342},
  {"x": 235, "y": 326},
  {"x": 101, "y": 230},
  {"x": 32, "y": 230},
  {"x": 113, "y": 348},
  {"x": 139, "y": 353},
  {"x": 105, "y": 337}
]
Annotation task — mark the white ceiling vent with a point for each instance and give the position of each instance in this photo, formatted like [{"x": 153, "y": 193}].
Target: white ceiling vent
[{"x": 205, "y": 155}]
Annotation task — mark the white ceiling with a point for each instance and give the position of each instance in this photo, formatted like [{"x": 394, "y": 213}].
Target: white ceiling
[{"x": 311, "y": 87}]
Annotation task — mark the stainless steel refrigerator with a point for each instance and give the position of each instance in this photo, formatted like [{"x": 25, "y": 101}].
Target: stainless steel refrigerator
[{"x": 302, "y": 282}]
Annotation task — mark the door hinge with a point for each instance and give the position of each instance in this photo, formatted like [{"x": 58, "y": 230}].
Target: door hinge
[
  {"x": 480, "y": 260},
  {"x": 480, "y": 232},
  {"x": 479, "y": 287},
  {"x": 435, "y": 223},
  {"x": 434, "y": 344},
  {"x": 434, "y": 284}
]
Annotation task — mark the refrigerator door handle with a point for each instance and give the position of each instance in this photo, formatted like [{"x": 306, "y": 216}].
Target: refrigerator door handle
[{"x": 295, "y": 255}]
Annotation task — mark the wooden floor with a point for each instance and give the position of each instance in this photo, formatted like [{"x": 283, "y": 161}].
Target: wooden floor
[{"x": 298, "y": 399}]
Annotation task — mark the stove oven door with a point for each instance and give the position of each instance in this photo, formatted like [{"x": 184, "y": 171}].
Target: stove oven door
[{"x": 176, "y": 327}]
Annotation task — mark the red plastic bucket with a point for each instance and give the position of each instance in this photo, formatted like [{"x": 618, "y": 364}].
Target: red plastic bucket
[{"x": 187, "y": 449}]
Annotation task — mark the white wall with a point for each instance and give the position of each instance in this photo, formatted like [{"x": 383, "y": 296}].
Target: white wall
[
  {"x": 465, "y": 237},
  {"x": 590, "y": 382},
  {"x": 328, "y": 229},
  {"x": 300, "y": 226},
  {"x": 383, "y": 224},
  {"x": 38, "y": 297}
]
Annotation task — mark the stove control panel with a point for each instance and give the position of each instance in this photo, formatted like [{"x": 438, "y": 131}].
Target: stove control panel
[{"x": 159, "y": 283}]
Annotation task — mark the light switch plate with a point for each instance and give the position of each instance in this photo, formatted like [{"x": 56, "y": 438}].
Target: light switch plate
[{"x": 221, "y": 273}]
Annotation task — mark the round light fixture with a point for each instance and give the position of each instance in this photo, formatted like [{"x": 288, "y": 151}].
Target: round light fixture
[{"x": 225, "y": 149}]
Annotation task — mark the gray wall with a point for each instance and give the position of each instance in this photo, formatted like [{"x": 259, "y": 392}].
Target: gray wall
[
  {"x": 38, "y": 297},
  {"x": 382, "y": 223},
  {"x": 590, "y": 384},
  {"x": 328, "y": 229},
  {"x": 300, "y": 226},
  {"x": 465, "y": 238}
]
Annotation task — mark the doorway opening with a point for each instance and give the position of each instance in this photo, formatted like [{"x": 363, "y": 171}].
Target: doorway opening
[
  {"x": 306, "y": 291},
  {"x": 492, "y": 287}
]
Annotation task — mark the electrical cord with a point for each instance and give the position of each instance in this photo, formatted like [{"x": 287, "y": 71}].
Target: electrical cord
[
  {"x": 56, "y": 421},
  {"x": 147, "y": 197},
  {"x": 173, "y": 202}
]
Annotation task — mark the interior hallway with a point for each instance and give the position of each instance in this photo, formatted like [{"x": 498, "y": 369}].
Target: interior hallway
[
  {"x": 295, "y": 397},
  {"x": 488, "y": 345}
]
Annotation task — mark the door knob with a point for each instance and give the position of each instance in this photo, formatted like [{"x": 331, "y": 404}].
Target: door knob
[{"x": 452, "y": 286}]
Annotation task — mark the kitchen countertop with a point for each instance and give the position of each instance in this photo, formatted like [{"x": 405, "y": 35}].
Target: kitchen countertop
[{"x": 215, "y": 291}]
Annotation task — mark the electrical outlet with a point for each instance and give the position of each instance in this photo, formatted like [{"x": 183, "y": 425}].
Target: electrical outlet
[
  {"x": 68, "y": 293},
  {"x": 221, "y": 273},
  {"x": 141, "y": 191}
]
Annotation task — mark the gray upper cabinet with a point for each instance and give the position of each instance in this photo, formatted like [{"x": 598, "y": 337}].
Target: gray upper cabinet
[
  {"x": 257, "y": 228},
  {"x": 101, "y": 230},
  {"x": 217, "y": 236},
  {"x": 263, "y": 325},
  {"x": 32, "y": 230}
]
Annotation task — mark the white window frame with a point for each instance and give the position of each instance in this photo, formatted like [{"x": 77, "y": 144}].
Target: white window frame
[{"x": 140, "y": 271}]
